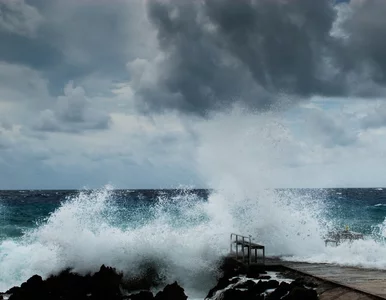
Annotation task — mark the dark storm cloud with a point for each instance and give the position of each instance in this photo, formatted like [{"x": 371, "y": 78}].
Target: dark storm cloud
[
  {"x": 211, "y": 53},
  {"x": 67, "y": 40},
  {"x": 221, "y": 51},
  {"x": 282, "y": 45},
  {"x": 366, "y": 28}
]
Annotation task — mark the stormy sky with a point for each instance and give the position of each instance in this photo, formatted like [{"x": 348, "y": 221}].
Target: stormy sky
[{"x": 167, "y": 93}]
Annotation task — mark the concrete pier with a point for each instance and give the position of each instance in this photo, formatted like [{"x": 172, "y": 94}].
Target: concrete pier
[
  {"x": 369, "y": 281},
  {"x": 336, "y": 282}
]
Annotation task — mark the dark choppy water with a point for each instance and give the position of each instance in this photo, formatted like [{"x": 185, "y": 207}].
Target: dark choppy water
[
  {"x": 361, "y": 209},
  {"x": 21, "y": 211}
]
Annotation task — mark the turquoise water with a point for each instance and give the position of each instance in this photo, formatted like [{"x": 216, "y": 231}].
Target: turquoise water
[{"x": 361, "y": 209}]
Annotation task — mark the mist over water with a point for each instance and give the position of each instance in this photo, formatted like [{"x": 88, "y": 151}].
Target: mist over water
[
  {"x": 184, "y": 233},
  {"x": 245, "y": 164}
]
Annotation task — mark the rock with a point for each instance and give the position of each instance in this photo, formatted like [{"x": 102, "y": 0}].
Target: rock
[
  {"x": 272, "y": 284},
  {"x": 222, "y": 283},
  {"x": 144, "y": 295},
  {"x": 35, "y": 280},
  {"x": 147, "y": 278},
  {"x": 262, "y": 286},
  {"x": 67, "y": 285},
  {"x": 231, "y": 268},
  {"x": 13, "y": 290},
  {"x": 266, "y": 277},
  {"x": 301, "y": 293},
  {"x": 245, "y": 285},
  {"x": 234, "y": 280},
  {"x": 19, "y": 295},
  {"x": 255, "y": 271},
  {"x": 232, "y": 294},
  {"x": 34, "y": 285},
  {"x": 279, "y": 292},
  {"x": 302, "y": 282},
  {"x": 105, "y": 284},
  {"x": 32, "y": 288},
  {"x": 171, "y": 292}
]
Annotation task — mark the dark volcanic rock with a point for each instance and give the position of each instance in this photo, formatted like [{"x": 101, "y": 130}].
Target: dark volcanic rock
[
  {"x": 231, "y": 268},
  {"x": 32, "y": 288},
  {"x": 302, "y": 282},
  {"x": 234, "y": 280},
  {"x": 144, "y": 295},
  {"x": 171, "y": 292},
  {"x": 105, "y": 284},
  {"x": 67, "y": 285},
  {"x": 301, "y": 293},
  {"x": 227, "y": 289},
  {"x": 245, "y": 285},
  {"x": 148, "y": 277},
  {"x": 272, "y": 284},
  {"x": 255, "y": 271},
  {"x": 279, "y": 292},
  {"x": 262, "y": 286},
  {"x": 34, "y": 284},
  {"x": 232, "y": 294},
  {"x": 12, "y": 290},
  {"x": 222, "y": 283}
]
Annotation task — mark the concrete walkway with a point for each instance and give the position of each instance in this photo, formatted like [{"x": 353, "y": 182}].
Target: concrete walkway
[{"x": 369, "y": 281}]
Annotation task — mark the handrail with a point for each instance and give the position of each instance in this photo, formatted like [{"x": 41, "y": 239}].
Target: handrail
[{"x": 245, "y": 242}]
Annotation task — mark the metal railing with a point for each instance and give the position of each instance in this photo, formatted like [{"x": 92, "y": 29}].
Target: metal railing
[
  {"x": 243, "y": 241},
  {"x": 237, "y": 240}
]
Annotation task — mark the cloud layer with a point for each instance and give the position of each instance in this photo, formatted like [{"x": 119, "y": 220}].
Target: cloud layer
[
  {"x": 217, "y": 52},
  {"x": 161, "y": 92}
]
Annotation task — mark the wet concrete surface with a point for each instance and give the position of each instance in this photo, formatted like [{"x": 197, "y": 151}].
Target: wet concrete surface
[{"x": 367, "y": 282}]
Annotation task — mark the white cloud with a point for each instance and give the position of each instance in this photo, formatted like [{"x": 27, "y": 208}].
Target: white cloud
[
  {"x": 376, "y": 116},
  {"x": 73, "y": 112},
  {"x": 330, "y": 128}
]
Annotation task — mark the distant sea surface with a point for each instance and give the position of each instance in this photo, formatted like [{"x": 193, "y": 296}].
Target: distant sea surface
[{"x": 182, "y": 232}]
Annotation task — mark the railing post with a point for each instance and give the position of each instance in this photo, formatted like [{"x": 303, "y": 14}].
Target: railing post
[
  {"x": 249, "y": 250},
  {"x": 264, "y": 255},
  {"x": 237, "y": 247},
  {"x": 230, "y": 245},
  {"x": 242, "y": 245}
]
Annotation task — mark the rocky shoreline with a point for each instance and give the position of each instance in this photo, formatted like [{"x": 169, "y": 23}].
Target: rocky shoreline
[
  {"x": 235, "y": 282},
  {"x": 256, "y": 282}
]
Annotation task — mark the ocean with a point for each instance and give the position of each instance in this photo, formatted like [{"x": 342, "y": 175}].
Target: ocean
[{"x": 182, "y": 232}]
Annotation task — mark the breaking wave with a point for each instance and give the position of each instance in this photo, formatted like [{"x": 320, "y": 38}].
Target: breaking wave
[{"x": 183, "y": 236}]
